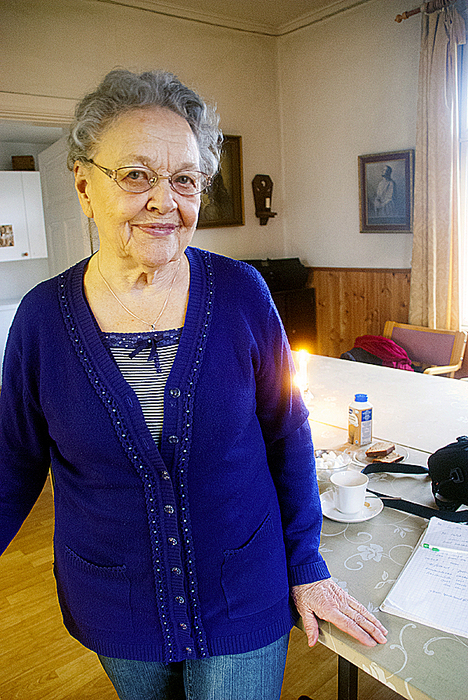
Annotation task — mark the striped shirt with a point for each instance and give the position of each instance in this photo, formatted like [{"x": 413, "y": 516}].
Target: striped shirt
[{"x": 145, "y": 360}]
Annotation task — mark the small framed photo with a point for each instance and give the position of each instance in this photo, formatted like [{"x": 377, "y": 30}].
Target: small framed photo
[
  {"x": 223, "y": 203},
  {"x": 7, "y": 238},
  {"x": 386, "y": 183}
]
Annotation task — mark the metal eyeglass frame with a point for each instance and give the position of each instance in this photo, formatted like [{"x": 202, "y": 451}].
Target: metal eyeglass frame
[{"x": 153, "y": 181}]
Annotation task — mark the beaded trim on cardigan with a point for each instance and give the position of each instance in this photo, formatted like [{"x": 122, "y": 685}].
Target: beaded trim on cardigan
[{"x": 184, "y": 454}]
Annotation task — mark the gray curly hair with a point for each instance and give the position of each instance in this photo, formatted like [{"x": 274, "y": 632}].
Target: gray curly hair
[{"x": 122, "y": 91}]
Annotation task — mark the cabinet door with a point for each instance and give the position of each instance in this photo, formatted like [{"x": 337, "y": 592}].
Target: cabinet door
[
  {"x": 14, "y": 240},
  {"x": 22, "y": 230}
]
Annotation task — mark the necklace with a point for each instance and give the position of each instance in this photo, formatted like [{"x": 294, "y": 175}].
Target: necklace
[{"x": 155, "y": 322}]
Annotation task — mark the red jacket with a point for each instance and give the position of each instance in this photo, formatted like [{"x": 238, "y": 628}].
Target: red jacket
[{"x": 391, "y": 354}]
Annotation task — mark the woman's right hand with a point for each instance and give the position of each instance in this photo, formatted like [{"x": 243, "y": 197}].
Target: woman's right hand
[{"x": 328, "y": 601}]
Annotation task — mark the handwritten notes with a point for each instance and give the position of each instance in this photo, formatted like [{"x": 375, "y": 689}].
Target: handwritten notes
[{"x": 433, "y": 587}]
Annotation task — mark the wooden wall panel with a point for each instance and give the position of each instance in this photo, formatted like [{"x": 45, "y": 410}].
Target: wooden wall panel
[{"x": 353, "y": 302}]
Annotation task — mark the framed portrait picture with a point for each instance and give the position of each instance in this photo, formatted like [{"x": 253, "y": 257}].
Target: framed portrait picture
[
  {"x": 386, "y": 192},
  {"x": 223, "y": 203}
]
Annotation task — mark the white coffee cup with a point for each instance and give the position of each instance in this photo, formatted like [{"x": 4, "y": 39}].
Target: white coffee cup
[{"x": 349, "y": 491}]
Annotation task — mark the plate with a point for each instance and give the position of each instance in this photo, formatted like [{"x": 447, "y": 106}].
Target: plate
[
  {"x": 363, "y": 460},
  {"x": 372, "y": 507}
]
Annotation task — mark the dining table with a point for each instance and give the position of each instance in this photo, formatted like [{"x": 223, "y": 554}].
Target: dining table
[{"x": 418, "y": 413}]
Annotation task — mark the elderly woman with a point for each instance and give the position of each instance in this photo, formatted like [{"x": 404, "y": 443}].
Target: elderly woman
[{"x": 157, "y": 380}]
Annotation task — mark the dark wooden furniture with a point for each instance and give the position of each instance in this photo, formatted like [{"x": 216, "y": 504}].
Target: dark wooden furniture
[
  {"x": 287, "y": 281},
  {"x": 297, "y": 310}
]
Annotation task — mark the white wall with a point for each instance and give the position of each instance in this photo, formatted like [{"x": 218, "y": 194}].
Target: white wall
[
  {"x": 348, "y": 88},
  {"x": 19, "y": 276},
  {"x": 306, "y": 105}
]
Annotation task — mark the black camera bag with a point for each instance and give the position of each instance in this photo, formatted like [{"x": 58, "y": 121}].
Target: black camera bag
[{"x": 448, "y": 471}]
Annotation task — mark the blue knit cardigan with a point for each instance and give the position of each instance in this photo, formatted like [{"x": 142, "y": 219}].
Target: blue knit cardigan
[{"x": 188, "y": 550}]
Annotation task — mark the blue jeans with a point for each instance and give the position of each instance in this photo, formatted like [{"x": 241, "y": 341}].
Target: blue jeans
[{"x": 255, "y": 675}]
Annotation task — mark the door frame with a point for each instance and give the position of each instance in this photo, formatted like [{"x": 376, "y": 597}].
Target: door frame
[{"x": 41, "y": 109}]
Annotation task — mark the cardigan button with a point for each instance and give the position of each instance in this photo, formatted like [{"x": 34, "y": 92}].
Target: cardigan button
[
  {"x": 173, "y": 439},
  {"x": 169, "y": 510},
  {"x": 175, "y": 392}
]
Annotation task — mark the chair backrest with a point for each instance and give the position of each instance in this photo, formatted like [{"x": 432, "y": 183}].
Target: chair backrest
[{"x": 428, "y": 345}]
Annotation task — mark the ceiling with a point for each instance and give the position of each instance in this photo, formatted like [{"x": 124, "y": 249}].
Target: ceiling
[{"x": 271, "y": 17}]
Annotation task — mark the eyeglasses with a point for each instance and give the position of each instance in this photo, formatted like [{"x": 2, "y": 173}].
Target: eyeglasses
[{"x": 139, "y": 179}]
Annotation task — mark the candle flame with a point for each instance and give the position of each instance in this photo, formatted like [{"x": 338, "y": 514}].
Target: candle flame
[{"x": 300, "y": 378}]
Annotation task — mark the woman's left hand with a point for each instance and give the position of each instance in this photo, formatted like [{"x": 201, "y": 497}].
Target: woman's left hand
[{"x": 326, "y": 600}]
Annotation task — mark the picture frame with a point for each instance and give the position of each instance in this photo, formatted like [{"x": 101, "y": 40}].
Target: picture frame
[
  {"x": 386, "y": 186},
  {"x": 7, "y": 238},
  {"x": 223, "y": 203}
]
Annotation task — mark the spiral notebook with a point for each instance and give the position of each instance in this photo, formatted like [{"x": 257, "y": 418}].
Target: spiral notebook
[{"x": 433, "y": 586}]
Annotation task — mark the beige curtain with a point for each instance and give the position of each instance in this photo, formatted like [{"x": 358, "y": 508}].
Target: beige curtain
[{"x": 434, "y": 296}]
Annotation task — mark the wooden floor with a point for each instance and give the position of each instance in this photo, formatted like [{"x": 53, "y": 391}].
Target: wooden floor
[{"x": 40, "y": 661}]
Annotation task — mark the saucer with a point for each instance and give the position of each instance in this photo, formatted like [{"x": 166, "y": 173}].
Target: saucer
[{"x": 372, "y": 507}]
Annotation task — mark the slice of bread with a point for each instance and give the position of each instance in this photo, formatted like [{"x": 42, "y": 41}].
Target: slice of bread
[
  {"x": 380, "y": 449},
  {"x": 391, "y": 458}
]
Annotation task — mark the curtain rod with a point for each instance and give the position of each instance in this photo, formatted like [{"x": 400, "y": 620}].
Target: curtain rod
[{"x": 427, "y": 7}]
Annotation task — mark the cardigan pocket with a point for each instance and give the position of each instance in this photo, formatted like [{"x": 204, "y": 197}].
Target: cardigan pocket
[
  {"x": 254, "y": 576},
  {"x": 97, "y": 597}
]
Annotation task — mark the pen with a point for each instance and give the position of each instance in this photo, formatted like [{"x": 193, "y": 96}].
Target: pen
[{"x": 432, "y": 548}]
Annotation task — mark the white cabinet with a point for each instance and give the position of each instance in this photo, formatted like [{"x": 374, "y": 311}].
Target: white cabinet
[{"x": 22, "y": 230}]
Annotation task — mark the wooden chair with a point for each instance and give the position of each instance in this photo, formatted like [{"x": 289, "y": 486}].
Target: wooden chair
[{"x": 436, "y": 351}]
